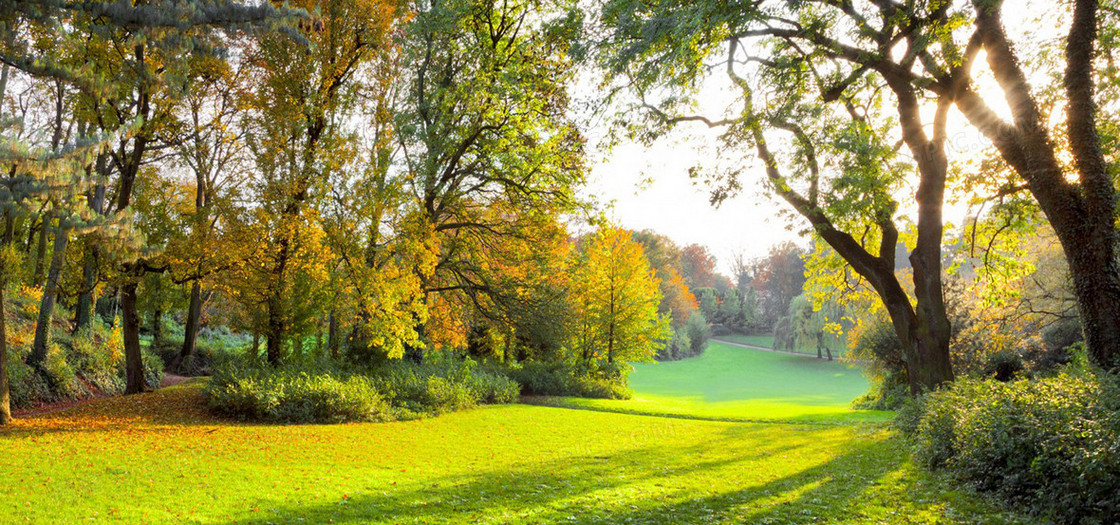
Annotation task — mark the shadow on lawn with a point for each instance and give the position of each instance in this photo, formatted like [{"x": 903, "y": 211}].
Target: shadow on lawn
[
  {"x": 621, "y": 488},
  {"x": 824, "y": 419}
]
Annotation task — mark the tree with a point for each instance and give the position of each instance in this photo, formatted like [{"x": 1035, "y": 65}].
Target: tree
[
  {"x": 484, "y": 125},
  {"x": 619, "y": 295},
  {"x": 698, "y": 267},
  {"x": 777, "y": 279},
  {"x": 677, "y": 300},
  {"x": 297, "y": 140},
  {"x": 826, "y": 96},
  {"x": 211, "y": 145},
  {"x": 118, "y": 96},
  {"x": 1079, "y": 200}
]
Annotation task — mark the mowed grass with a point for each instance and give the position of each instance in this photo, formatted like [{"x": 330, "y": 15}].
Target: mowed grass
[
  {"x": 160, "y": 458},
  {"x": 733, "y": 383}
]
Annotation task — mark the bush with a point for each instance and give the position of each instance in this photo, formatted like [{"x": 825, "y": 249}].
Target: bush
[
  {"x": 1051, "y": 444},
  {"x": 885, "y": 394},
  {"x": 60, "y": 375},
  {"x": 677, "y": 347},
  {"x": 698, "y": 332},
  {"x": 557, "y": 379},
  {"x": 324, "y": 393},
  {"x": 440, "y": 385},
  {"x": 25, "y": 385},
  {"x": 153, "y": 369},
  {"x": 98, "y": 355},
  {"x": 285, "y": 396}
]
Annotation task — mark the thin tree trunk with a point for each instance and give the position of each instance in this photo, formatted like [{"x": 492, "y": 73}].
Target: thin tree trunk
[
  {"x": 83, "y": 311},
  {"x": 134, "y": 363},
  {"x": 5, "y": 396},
  {"x": 157, "y": 327},
  {"x": 332, "y": 334},
  {"x": 41, "y": 343},
  {"x": 41, "y": 250}
]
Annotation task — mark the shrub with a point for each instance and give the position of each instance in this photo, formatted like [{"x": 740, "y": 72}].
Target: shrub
[
  {"x": 323, "y": 393},
  {"x": 557, "y": 379},
  {"x": 441, "y": 384},
  {"x": 153, "y": 369},
  {"x": 60, "y": 374},
  {"x": 284, "y": 396},
  {"x": 98, "y": 356},
  {"x": 26, "y": 386},
  {"x": 677, "y": 347},
  {"x": 1049, "y": 444},
  {"x": 884, "y": 394},
  {"x": 698, "y": 332}
]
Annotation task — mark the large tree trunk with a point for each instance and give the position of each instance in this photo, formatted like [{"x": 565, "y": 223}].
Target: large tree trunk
[
  {"x": 133, "y": 361},
  {"x": 1082, "y": 214},
  {"x": 42, "y": 340},
  {"x": 1091, "y": 250},
  {"x": 274, "y": 337},
  {"x": 190, "y": 329}
]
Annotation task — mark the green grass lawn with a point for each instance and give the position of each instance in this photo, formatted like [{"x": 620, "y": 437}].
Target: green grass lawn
[
  {"x": 159, "y": 458},
  {"x": 734, "y": 383}
]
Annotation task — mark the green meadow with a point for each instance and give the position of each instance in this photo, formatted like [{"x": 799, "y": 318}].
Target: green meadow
[
  {"x": 732, "y": 383},
  {"x": 161, "y": 458}
]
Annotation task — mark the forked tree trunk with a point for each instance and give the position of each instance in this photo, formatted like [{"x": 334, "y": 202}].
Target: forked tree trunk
[
  {"x": 42, "y": 341},
  {"x": 1083, "y": 214}
]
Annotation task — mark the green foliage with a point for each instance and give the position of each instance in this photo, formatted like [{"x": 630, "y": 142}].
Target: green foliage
[
  {"x": 98, "y": 355},
  {"x": 153, "y": 369},
  {"x": 1051, "y": 445},
  {"x": 439, "y": 385},
  {"x": 60, "y": 374},
  {"x": 559, "y": 379},
  {"x": 290, "y": 396},
  {"x": 328, "y": 393},
  {"x": 883, "y": 395},
  {"x": 699, "y": 331},
  {"x": 678, "y": 347}
]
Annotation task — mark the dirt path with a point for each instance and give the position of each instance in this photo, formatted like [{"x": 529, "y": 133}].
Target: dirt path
[{"x": 171, "y": 380}]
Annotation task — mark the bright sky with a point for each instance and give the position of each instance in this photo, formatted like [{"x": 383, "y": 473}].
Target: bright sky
[{"x": 650, "y": 187}]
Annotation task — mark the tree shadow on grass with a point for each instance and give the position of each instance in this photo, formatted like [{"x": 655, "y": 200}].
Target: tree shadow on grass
[{"x": 712, "y": 482}]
